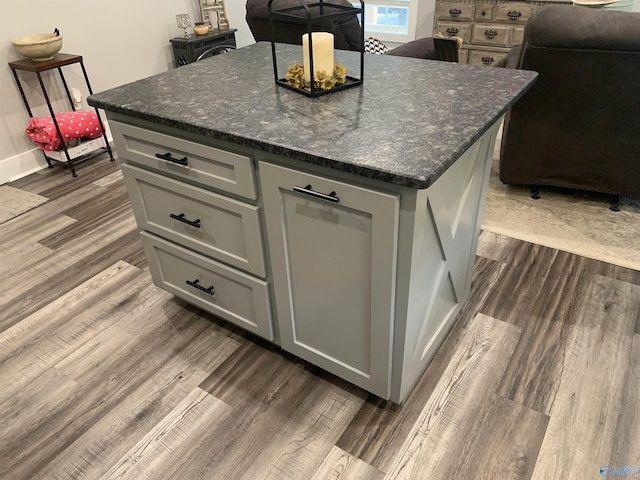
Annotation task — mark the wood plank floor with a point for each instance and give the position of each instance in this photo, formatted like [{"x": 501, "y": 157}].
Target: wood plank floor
[{"x": 103, "y": 375}]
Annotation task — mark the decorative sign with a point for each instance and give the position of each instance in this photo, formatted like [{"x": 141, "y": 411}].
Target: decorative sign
[{"x": 214, "y": 14}]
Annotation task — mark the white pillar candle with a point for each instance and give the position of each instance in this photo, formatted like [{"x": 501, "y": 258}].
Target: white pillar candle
[{"x": 322, "y": 54}]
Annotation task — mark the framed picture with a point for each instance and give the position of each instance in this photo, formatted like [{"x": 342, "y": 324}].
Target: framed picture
[{"x": 214, "y": 14}]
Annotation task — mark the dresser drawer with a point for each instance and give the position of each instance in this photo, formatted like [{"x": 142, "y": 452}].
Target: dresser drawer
[
  {"x": 491, "y": 34},
  {"x": 484, "y": 12},
  {"x": 513, "y": 12},
  {"x": 216, "y": 288},
  {"x": 452, "y": 29},
  {"x": 214, "y": 225},
  {"x": 485, "y": 57},
  {"x": 209, "y": 166},
  {"x": 455, "y": 11}
]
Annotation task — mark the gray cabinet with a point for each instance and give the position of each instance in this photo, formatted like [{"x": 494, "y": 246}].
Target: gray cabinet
[
  {"x": 333, "y": 254},
  {"x": 361, "y": 277}
]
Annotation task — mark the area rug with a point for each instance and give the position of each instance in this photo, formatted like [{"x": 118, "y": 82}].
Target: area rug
[
  {"x": 568, "y": 220},
  {"x": 14, "y": 202}
]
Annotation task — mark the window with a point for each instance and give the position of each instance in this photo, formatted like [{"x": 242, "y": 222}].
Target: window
[{"x": 389, "y": 20}]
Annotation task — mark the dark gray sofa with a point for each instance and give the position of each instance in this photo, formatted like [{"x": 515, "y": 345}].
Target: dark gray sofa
[
  {"x": 346, "y": 31},
  {"x": 579, "y": 125}
]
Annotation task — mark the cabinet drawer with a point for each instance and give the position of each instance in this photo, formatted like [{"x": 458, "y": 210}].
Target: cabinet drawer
[
  {"x": 217, "y": 226},
  {"x": 485, "y": 57},
  {"x": 484, "y": 12},
  {"x": 216, "y": 288},
  {"x": 455, "y": 11},
  {"x": 452, "y": 29},
  {"x": 514, "y": 12},
  {"x": 491, "y": 34},
  {"x": 209, "y": 166}
]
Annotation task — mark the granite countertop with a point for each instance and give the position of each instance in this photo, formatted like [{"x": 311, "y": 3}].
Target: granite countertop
[{"x": 408, "y": 123}]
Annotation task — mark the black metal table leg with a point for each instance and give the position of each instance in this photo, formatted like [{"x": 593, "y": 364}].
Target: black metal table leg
[
  {"x": 55, "y": 123},
  {"x": 104, "y": 130}
]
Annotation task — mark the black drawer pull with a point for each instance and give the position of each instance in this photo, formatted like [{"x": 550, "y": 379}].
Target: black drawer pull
[
  {"x": 167, "y": 156},
  {"x": 196, "y": 284},
  {"x": 180, "y": 218},
  {"x": 514, "y": 15},
  {"x": 455, "y": 12},
  {"x": 309, "y": 191},
  {"x": 490, "y": 33},
  {"x": 487, "y": 60},
  {"x": 452, "y": 31}
]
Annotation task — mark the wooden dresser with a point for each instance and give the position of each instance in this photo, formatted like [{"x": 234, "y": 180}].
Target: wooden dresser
[{"x": 488, "y": 29}]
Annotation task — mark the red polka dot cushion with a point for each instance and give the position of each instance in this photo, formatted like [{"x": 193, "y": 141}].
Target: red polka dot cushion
[{"x": 83, "y": 123}]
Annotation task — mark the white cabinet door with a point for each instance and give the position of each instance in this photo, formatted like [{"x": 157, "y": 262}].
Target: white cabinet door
[{"x": 333, "y": 255}]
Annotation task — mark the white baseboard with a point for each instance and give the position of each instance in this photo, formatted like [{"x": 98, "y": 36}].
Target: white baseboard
[{"x": 26, "y": 163}]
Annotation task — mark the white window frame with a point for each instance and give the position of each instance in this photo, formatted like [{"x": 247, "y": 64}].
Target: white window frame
[{"x": 387, "y": 34}]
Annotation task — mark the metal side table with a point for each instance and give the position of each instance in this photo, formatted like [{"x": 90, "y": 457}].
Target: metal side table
[{"x": 86, "y": 149}]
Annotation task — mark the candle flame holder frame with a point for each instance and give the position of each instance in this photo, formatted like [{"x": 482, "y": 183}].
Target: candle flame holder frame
[{"x": 315, "y": 22}]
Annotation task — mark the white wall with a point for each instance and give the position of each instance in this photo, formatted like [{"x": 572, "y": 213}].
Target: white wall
[
  {"x": 424, "y": 21},
  {"x": 120, "y": 41}
]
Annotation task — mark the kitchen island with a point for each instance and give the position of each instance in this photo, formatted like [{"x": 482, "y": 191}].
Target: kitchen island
[{"x": 342, "y": 228}]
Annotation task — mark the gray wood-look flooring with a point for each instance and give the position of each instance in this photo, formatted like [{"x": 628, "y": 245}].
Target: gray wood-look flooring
[{"x": 103, "y": 375}]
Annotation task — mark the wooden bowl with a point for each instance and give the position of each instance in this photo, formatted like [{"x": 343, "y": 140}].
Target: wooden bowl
[{"x": 38, "y": 47}]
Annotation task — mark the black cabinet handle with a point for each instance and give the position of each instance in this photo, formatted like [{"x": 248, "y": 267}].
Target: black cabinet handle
[
  {"x": 490, "y": 33},
  {"x": 452, "y": 31},
  {"x": 180, "y": 218},
  {"x": 513, "y": 15},
  {"x": 455, "y": 12},
  {"x": 196, "y": 284},
  {"x": 324, "y": 196},
  {"x": 487, "y": 60},
  {"x": 167, "y": 156}
]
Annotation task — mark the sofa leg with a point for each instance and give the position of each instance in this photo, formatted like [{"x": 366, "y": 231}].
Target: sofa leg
[
  {"x": 615, "y": 203},
  {"x": 535, "y": 192}
]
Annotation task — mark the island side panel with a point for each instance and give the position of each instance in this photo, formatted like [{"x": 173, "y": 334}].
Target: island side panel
[{"x": 438, "y": 242}]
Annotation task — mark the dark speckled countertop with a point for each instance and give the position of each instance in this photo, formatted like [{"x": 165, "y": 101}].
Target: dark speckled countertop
[{"x": 408, "y": 123}]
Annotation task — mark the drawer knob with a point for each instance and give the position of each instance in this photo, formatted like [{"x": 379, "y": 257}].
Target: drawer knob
[
  {"x": 490, "y": 33},
  {"x": 452, "y": 31},
  {"x": 514, "y": 15},
  {"x": 455, "y": 12},
  {"x": 308, "y": 190},
  {"x": 167, "y": 156},
  {"x": 196, "y": 284},
  {"x": 487, "y": 60},
  {"x": 181, "y": 218}
]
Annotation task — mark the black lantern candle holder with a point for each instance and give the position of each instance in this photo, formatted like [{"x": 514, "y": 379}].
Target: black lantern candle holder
[{"x": 320, "y": 16}]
